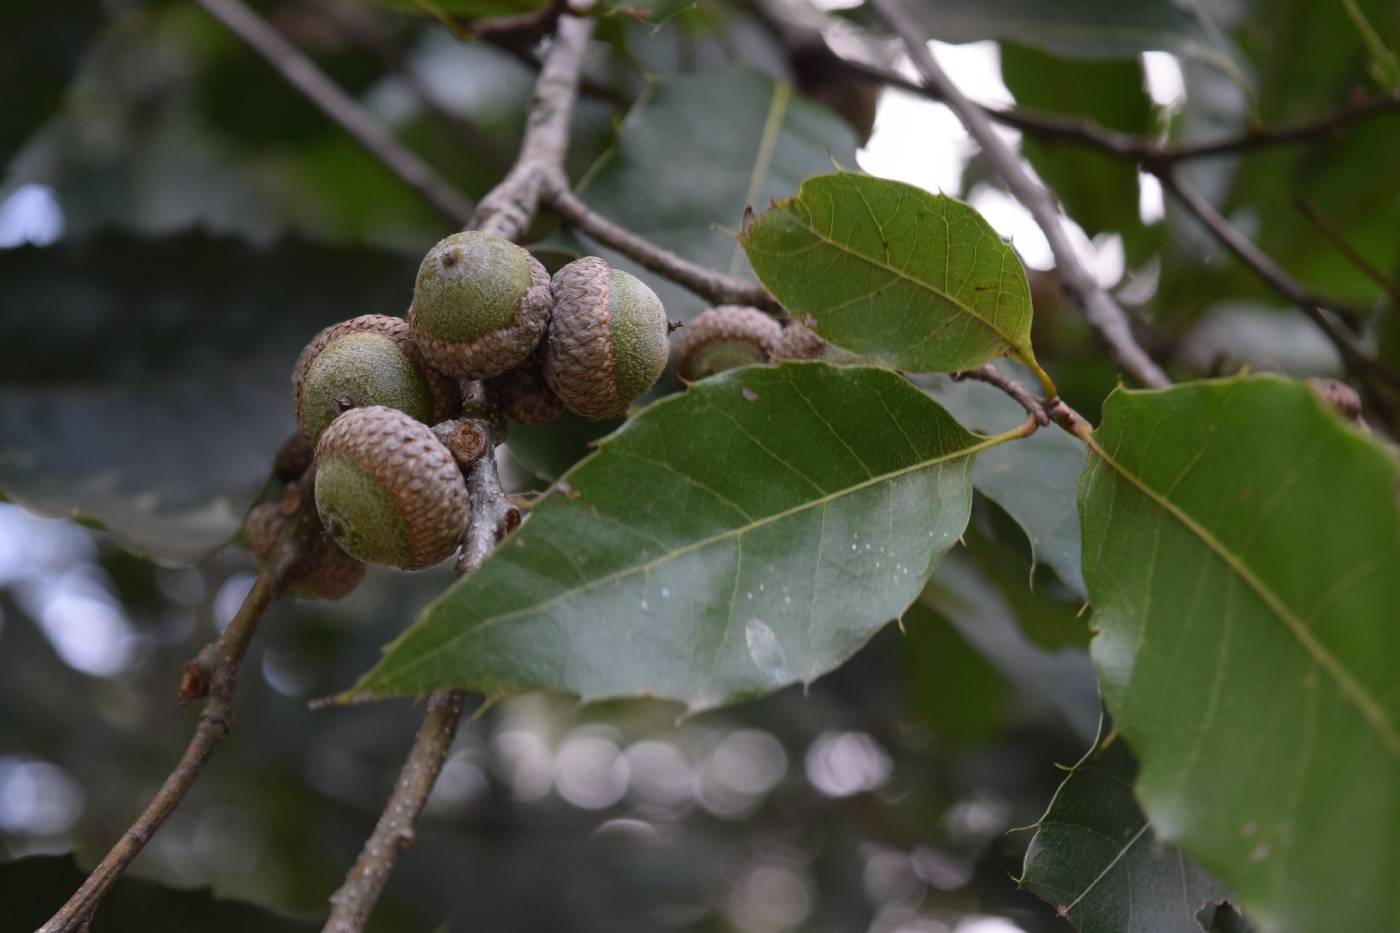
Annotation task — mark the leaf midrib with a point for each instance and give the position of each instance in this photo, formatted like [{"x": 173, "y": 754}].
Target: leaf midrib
[
  {"x": 1371, "y": 711},
  {"x": 730, "y": 533},
  {"x": 926, "y": 286}
]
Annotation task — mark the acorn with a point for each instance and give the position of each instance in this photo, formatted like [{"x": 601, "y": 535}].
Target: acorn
[
  {"x": 367, "y": 360},
  {"x": 480, "y": 305},
  {"x": 523, "y": 395},
  {"x": 725, "y": 337},
  {"x": 330, "y": 573},
  {"x": 388, "y": 491},
  {"x": 799, "y": 342},
  {"x": 608, "y": 340},
  {"x": 1340, "y": 397}
]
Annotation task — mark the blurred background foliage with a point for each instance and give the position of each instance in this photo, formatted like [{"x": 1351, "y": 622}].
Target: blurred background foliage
[{"x": 176, "y": 222}]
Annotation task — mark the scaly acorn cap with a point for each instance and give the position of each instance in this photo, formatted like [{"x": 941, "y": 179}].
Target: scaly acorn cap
[
  {"x": 480, "y": 305},
  {"x": 523, "y": 394},
  {"x": 799, "y": 342},
  {"x": 725, "y": 337},
  {"x": 607, "y": 342},
  {"x": 367, "y": 360},
  {"x": 330, "y": 573},
  {"x": 388, "y": 491}
]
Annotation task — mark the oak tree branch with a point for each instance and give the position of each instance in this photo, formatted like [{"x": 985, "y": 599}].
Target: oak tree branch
[
  {"x": 506, "y": 211},
  {"x": 299, "y": 71},
  {"x": 708, "y": 283}
]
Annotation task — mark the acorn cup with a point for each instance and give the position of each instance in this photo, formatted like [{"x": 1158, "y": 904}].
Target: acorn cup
[
  {"x": 388, "y": 491},
  {"x": 607, "y": 342},
  {"x": 725, "y": 337}
]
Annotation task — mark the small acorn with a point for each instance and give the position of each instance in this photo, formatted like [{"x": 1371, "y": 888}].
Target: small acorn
[
  {"x": 523, "y": 395},
  {"x": 723, "y": 338},
  {"x": 367, "y": 360},
  {"x": 480, "y": 305},
  {"x": 607, "y": 343},
  {"x": 799, "y": 342},
  {"x": 388, "y": 491},
  {"x": 330, "y": 573}
]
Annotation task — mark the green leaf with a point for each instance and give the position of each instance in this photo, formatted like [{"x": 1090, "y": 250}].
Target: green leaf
[
  {"x": 950, "y": 686},
  {"x": 1095, "y": 857},
  {"x": 31, "y": 889},
  {"x": 548, "y": 450},
  {"x": 1033, "y": 480},
  {"x": 1093, "y": 29},
  {"x": 145, "y": 384},
  {"x": 789, "y": 513},
  {"x": 1059, "y": 682},
  {"x": 674, "y": 180},
  {"x": 1240, "y": 548},
  {"x": 893, "y": 273}
]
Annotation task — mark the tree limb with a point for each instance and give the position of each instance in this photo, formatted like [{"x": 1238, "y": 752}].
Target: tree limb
[
  {"x": 506, "y": 211},
  {"x": 709, "y": 284},
  {"x": 1104, "y": 314},
  {"x": 302, "y": 74},
  {"x": 1085, "y": 132}
]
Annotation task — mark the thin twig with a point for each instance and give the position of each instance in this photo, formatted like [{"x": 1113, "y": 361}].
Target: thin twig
[
  {"x": 510, "y": 207},
  {"x": 506, "y": 211},
  {"x": 1277, "y": 279},
  {"x": 1149, "y": 153},
  {"x": 1102, "y": 312},
  {"x": 302, "y": 74},
  {"x": 1035, "y": 406},
  {"x": 352, "y": 903},
  {"x": 707, "y": 283},
  {"x": 212, "y": 673},
  {"x": 358, "y": 25},
  {"x": 1329, "y": 229}
]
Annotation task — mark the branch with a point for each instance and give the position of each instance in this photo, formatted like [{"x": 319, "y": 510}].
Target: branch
[
  {"x": 709, "y": 284},
  {"x": 213, "y": 672},
  {"x": 302, "y": 74},
  {"x": 1329, "y": 229},
  {"x": 506, "y": 211},
  {"x": 1257, "y": 260},
  {"x": 359, "y": 26},
  {"x": 351, "y": 904},
  {"x": 1102, "y": 312},
  {"x": 1153, "y": 156},
  {"x": 510, "y": 207},
  {"x": 1035, "y": 407}
]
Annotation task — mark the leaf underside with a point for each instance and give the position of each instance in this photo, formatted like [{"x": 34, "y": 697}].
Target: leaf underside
[{"x": 1095, "y": 857}]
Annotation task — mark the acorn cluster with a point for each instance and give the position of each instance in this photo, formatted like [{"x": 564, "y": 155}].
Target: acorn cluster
[{"x": 380, "y": 398}]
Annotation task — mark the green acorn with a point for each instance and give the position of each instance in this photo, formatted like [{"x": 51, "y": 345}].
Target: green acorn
[
  {"x": 367, "y": 360},
  {"x": 388, "y": 491},
  {"x": 725, "y": 337},
  {"x": 608, "y": 340},
  {"x": 480, "y": 305}
]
